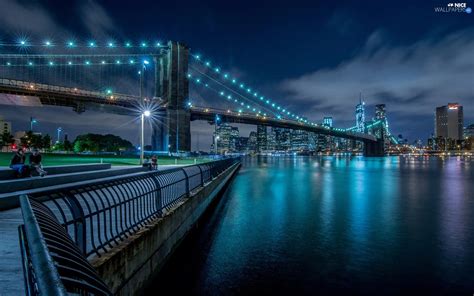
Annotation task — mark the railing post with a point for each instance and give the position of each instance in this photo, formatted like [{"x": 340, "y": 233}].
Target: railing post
[
  {"x": 80, "y": 235},
  {"x": 158, "y": 199},
  {"x": 202, "y": 177},
  {"x": 187, "y": 182}
]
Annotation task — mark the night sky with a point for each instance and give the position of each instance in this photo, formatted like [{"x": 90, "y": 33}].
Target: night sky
[{"x": 312, "y": 57}]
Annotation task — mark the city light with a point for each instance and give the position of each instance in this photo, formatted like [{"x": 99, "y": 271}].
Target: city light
[{"x": 147, "y": 113}]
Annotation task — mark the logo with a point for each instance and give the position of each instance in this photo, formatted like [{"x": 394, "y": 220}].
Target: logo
[{"x": 454, "y": 7}]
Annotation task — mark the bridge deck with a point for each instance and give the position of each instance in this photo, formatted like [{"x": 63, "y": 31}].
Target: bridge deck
[
  {"x": 125, "y": 104},
  {"x": 251, "y": 118}
]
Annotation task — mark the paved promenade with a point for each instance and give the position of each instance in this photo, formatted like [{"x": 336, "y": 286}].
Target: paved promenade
[{"x": 11, "y": 273}]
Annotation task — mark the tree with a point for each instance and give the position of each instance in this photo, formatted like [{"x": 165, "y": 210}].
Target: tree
[
  {"x": 46, "y": 142},
  {"x": 32, "y": 140},
  {"x": 58, "y": 146},
  {"x": 7, "y": 139},
  {"x": 68, "y": 145},
  {"x": 101, "y": 143}
]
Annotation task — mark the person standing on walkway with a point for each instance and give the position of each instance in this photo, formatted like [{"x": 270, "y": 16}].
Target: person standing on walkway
[{"x": 35, "y": 162}]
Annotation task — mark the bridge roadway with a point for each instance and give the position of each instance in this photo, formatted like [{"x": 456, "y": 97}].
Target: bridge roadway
[
  {"x": 32, "y": 94},
  {"x": 198, "y": 113},
  {"x": 78, "y": 99}
]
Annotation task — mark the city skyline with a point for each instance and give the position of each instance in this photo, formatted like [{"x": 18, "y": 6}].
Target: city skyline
[{"x": 304, "y": 87}]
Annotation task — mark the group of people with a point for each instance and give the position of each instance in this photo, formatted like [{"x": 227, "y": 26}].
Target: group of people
[
  {"x": 152, "y": 163},
  {"x": 18, "y": 163}
]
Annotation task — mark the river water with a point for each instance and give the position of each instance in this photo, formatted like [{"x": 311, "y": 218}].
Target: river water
[{"x": 329, "y": 225}]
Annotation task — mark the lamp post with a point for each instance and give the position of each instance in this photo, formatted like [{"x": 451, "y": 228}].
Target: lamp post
[
  {"x": 32, "y": 122},
  {"x": 215, "y": 143},
  {"x": 59, "y": 130},
  {"x": 145, "y": 113}
]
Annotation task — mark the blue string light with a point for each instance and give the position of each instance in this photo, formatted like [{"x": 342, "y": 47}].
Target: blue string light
[
  {"x": 229, "y": 97},
  {"x": 242, "y": 86}
]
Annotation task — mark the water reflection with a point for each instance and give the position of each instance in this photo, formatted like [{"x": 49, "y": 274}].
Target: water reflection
[{"x": 335, "y": 225}]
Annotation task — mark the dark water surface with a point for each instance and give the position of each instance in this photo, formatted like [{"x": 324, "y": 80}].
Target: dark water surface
[{"x": 334, "y": 225}]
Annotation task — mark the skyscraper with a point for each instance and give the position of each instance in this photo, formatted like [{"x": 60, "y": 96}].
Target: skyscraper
[
  {"x": 252, "y": 142},
  {"x": 5, "y": 126},
  {"x": 360, "y": 116},
  {"x": 227, "y": 138},
  {"x": 327, "y": 121},
  {"x": 449, "y": 121},
  {"x": 282, "y": 138},
  {"x": 271, "y": 140},
  {"x": 299, "y": 140},
  {"x": 380, "y": 112},
  {"x": 261, "y": 138}
]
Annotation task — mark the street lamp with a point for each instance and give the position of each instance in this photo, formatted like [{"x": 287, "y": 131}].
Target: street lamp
[
  {"x": 145, "y": 113},
  {"x": 32, "y": 122},
  {"x": 215, "y": 143},
  {"x": 59, "y": 130}
]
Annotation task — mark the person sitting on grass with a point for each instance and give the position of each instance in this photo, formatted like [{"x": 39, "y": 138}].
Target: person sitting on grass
[
  {"x": 35, "y": 162},
  {"x": 154, "y": 163},
  {"x": 17, "y": 163}
]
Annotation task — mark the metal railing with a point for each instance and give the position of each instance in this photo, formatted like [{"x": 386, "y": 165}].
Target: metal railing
[
  {"x": 52, "y": 262},
  {"x": 66, "y": 226}
]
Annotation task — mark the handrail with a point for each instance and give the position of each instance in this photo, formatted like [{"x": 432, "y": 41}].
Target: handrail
[
  {"x": 99, "y": 215},
  {"x": 65, "y": 226},
  {"x": 47, "y": 279}
]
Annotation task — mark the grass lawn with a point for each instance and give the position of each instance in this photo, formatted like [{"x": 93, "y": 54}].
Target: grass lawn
[{"x": 61, "y": 159}]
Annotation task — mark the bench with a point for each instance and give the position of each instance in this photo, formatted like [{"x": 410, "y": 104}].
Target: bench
[{"x": 7, "y": 173}]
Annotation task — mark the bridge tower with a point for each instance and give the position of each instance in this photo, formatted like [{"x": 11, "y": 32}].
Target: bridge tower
[
  {"x": 173, "y": 133},
  {"x": 376, "y": 148}
]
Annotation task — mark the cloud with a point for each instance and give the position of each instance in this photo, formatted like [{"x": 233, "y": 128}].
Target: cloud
[
  {"x": 411, "y": 79},
  {"x": 31, "y": 19},
  {"x": 26, "y": 16},
  {"x": 96, "y": 20}
]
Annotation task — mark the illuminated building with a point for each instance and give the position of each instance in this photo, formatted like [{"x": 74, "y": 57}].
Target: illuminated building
[
  {"x": 449, "y": 121},
  {"x": 241, "y": 144},
  {"x": 299, "y": 140},
  {"x": 226, "y": 138},
  {"x": 360, "y": 116},
  {"x": 252, "y": 142},
  {"x": 327, "y": 121},
  {"x": 282, "y": 139},
  {"x": 5, "y": 126},
  {"x": 261, "y": 138},
  {"x": 469, "y": 132}
]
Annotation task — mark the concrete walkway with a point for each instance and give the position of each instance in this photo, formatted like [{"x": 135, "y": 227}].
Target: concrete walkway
[{"x": 11, "y": 272}]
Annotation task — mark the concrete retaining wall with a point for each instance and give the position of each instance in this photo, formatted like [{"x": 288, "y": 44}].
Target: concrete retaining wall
[{"x": 128, "y": 268}]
